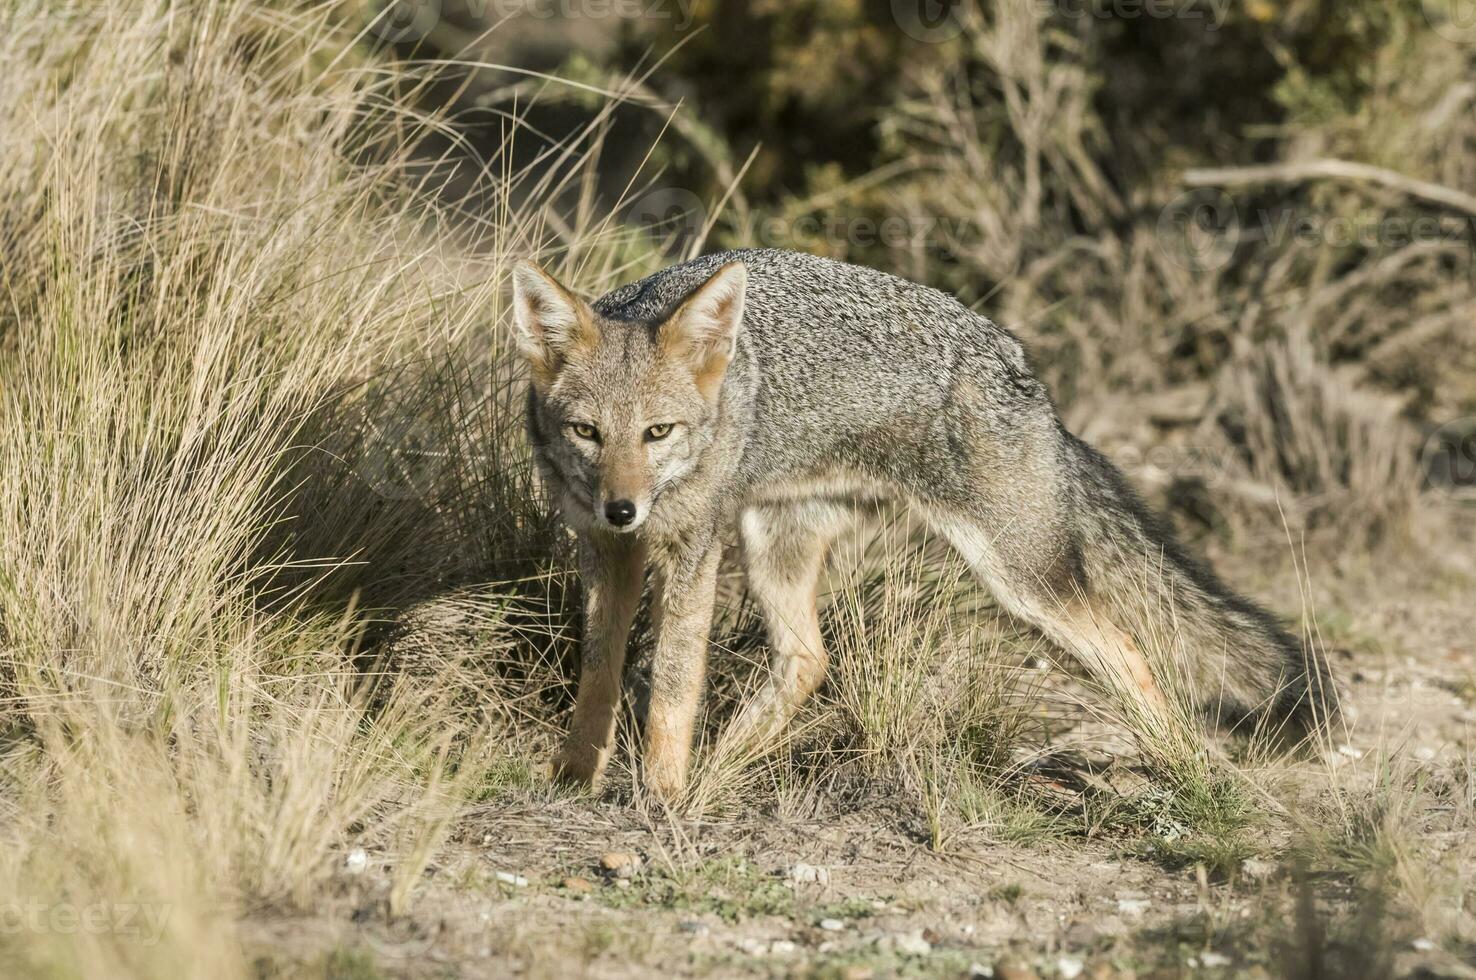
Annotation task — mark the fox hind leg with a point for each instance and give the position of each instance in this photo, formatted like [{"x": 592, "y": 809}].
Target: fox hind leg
[
  {"x": 784, "y": 548},
  {"x": 1028, "y": 571}
]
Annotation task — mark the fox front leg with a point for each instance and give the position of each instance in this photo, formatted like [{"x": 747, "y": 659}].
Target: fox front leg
[
  {"x": 611, "y": 567},
  {"x": 684, "y": 592}
]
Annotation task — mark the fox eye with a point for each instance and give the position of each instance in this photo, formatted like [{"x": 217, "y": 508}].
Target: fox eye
[
  {"x": 661, "y": 431},
  {"x": 585, "y": 431}
]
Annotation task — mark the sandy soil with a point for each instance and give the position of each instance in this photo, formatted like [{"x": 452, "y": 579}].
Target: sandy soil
[{"x": 856, "y": 891}]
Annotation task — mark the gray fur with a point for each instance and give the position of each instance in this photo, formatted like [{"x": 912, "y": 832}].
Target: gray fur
[{"x": 846, "y": 382}]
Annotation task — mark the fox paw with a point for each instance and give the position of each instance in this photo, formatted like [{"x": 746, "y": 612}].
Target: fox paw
[
  {"x": 665, "y": 782},
  {"x": 578, "y": 765}
]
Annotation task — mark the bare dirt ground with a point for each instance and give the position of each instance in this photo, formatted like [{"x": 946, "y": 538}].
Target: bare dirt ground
[{"x": 1358, "y": 864}]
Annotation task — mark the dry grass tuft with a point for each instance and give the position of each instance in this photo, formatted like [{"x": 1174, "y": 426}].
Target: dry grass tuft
[{"x": 224, "y": 466}]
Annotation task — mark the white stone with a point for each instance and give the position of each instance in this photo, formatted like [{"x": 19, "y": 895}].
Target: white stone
[
  {"x": 1132, "y": 906},
  {"x": 809, "y": 874},
  {"x": 1257, "y": 868},
  {"x": 356, "y": 862}
]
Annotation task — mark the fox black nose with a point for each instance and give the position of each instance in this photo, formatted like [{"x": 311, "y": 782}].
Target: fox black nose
[{"x": 620, "y": 512}]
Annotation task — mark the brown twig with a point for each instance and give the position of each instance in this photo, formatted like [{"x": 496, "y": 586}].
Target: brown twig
[{"x": 1282, "y": 173}]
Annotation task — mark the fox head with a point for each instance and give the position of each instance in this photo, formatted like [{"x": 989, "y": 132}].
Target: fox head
[{"x": 623, "y": 411}]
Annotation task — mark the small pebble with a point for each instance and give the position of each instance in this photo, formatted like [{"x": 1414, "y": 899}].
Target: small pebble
[
  {"x": 809, "y": 874},
  {"x": 1425, "y": 754},
  {"x": 1213, "y": 960},
  {"x": 1132, "y": 906},
  {"x": 752, "y": 946},
  {"x": 1015, "y": 970},
  {"x": 1069, "y": 967},
  {"x": 978, "y": 971},
  {"x": 621, "y": 864},
  {"x": 508, "y": 878},
  {"x": 832, "y": 925},
  {"x": 356, "y": 861},
  {"x": 1424, "y": 945},
  {"x": 782, "y": 947},
  {"x": 912, "y": 944},
  {"x": 578, "y": 885},
  {"x": 1081, "y": 934}
]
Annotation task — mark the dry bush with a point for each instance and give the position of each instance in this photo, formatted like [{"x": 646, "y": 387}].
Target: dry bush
[
  {"x": 1139, "y": 293},
  {"x": 1306, "y": 438},
  {"x": 254, "y": 402}
]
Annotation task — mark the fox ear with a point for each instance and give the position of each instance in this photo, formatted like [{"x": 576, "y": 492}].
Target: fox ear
[
  {"x": 549, "y": 321},
  {"x": 704, "y": 329}
]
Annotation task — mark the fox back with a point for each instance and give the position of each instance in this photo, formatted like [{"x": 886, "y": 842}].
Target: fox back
[
  {"x": 837, "y": 370},
  {"x": 750, "y": 378}
]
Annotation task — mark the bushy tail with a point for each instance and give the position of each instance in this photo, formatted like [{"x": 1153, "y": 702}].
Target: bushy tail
[{"x": 1242, "y": 667}]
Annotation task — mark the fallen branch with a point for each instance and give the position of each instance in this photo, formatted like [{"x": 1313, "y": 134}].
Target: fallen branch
[{"x": 1285, "y": 173}]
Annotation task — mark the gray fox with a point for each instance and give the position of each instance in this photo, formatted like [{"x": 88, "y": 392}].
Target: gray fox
[{"x": 781, "y": 392}]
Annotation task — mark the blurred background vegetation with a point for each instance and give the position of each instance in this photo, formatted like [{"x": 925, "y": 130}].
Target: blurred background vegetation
[{"x": 1293, "y": 337}]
